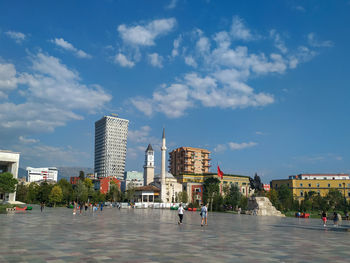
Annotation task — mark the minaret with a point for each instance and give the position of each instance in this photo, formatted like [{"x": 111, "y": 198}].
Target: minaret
[
  {"x": 163, "y": 170},
  {"x": 148, "y": 168}
]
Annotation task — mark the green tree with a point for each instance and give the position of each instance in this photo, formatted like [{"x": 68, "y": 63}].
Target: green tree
[
  {"x": 243, "y": 203},
  {"x": 82, "y": 175},
  {"x": 81, "y": 192},
  {"x": 114, "y": 192},
  {"x": 56, "y": 195},
  {"x": 7, "y": 183},
  {"x": 211, "y": 188},
  {"x": 44, "y": 192},
  {"x": 183, "y": 197},
  {"x": 67, "y": 190},
  {"x": 98, "y": 197},
  {"x": 33, "y": 193},
  {"x": 335, "y": 199},
  {"x": 285, "y": 197},
  {"x": 21, "y": 193},
  {"x": 273, "y": 196},
  {"x": 232, "y": 196},
  {"x": 130, "y": 192}
]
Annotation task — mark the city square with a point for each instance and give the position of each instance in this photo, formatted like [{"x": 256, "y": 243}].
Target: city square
[{"x": 153, "y": 235}]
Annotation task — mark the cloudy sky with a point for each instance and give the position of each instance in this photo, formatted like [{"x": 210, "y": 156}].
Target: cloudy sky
[{"x": 264, "y": 85}]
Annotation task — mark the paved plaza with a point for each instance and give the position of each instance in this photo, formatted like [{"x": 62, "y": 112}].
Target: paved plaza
[{"x": 140, "y": 235}]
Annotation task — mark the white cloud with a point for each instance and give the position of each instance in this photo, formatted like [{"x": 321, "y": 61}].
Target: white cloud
[
  {"x": 27, "y": 140},
  {"x": 140, "y": 135},
  {"x": 220, "y": 148},
  {"x": 145, "y": 35},
  {"x": 300, "y": 8},
  {"x": 240, "y": 146},
  {"x": 189, "y": 60},
  {"x": 239, "y": 31},
  {"x": 52, "y": 94},
  {"x": 8, "y": 79},
  {"x": 314, "y": 42},
  {"x": 123, "y": 61},
  {"x": 279, "y": 43},
  {"x": 68, "y": 46},
  {"x": 172, "y": 4},
  {"x": 155, "y": 60},
  {"x": 223, "y": 72},
  {"x": 171, "y": 101},
  {"x": 17, "y": 36},
  {"x": 176, "y": 44}
]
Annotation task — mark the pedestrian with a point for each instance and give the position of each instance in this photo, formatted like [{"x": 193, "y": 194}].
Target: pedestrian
[
  {"x": 81, "y": 207},
  {"x": 324, "y": 218},
  {"x": 86, "y": 206},
  {"x": 75, "y": 207},
  {"x": 42, "y": 206},
  {"x": 101, "y": 206},
  {"x": 204, "y": 214},
  {"x": 347, "y": 215},
  {"x": 180, "y": 211},
  {"x": 335, "y": 218}
]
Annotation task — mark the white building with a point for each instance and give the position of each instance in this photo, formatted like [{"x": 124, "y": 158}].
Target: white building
[
  {"x": 171, "y": 187},
  {"x": 42, "y": 174},
  {"x": 9, "y": 162},
  {"x": 110, "y": 146},
  {"x": 320, "y": 176}
]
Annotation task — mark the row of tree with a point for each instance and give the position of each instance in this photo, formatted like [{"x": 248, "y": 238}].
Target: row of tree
[
  {"x": 228, "y": 198},
  {"x": 283, "y": 200},
  {"x": 63, "y": 193}
]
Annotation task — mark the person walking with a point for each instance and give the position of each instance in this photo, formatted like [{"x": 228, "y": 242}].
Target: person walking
[
  {"x": 42, "y": 206},
  {"x": 101, "y": 206},
  {"x": 180, "y": 211},
  {"x": 335, "y": 218},
  {"x": 324, "y": 218},
  {"x": 204, "y": 214},
  {"x": 86, "y": 206}
]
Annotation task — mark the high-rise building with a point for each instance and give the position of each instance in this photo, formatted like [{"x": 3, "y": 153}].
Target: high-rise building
[
  {"x": 111, "y": 135},
  {"x": 189, "y": 160}
]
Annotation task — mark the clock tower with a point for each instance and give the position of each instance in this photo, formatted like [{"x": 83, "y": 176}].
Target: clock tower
[{"x": 148, "y": 168}]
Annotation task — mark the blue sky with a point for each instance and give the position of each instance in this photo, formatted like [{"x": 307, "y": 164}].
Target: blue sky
[{"x": 264, "y": 85}]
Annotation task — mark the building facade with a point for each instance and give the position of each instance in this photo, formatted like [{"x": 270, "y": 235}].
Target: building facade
[
  {"x": 193, "y": 184},
  {"x": 110, "y": 146},
  {"x": 305, "y": 183},
  {"x": 171, "y": 187},
  {"x": 9, "y": 162},
  {"x": 189, "y": 160},
  {"x": 133, "y": 178},
  {"x": 148, "y": 168},
  {"x": 42, "y": 174}
]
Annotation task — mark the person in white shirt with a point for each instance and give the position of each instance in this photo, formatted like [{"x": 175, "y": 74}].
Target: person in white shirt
[
  {"x": 204, "y": 214},
  {"x": 180, "y": 211}
]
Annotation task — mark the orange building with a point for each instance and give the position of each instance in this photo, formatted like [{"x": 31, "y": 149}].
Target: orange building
[
  {"x": 105, "y": 182},
  {"x": 189, "y": 160}
]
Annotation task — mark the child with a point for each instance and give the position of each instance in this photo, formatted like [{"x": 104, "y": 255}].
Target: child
[{"x": 324, "y": 218}]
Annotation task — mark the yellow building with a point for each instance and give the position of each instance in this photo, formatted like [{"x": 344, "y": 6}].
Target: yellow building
[
  {"x": 193, "y": 184},
  {"x": 319, "y": 183}
]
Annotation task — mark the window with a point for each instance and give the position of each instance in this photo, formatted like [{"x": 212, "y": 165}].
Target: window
[
  {"x": 276, "y": 185},
  {"x": 348, "y": 194},
  {"x": 150, "y": 198},
  {"x": 318, "y": 185},
  {"x": 309, "y": 185},
  {"x": 339, "y": 185},
  {"x": 333, "y": 178},
  {"x": 144, "y": 198},
  {"x": 329, "y": 185},
  {"x": 301, "y": 185},
  {"x": 301, "y": 193}
]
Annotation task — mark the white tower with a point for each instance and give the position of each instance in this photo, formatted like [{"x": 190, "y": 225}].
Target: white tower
[
  {"x": 163, "y": 170},
  {"x": 148, "y": 168}
]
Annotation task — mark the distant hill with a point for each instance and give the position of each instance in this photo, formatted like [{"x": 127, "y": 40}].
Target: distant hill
[{"x": 63, "y": 172}]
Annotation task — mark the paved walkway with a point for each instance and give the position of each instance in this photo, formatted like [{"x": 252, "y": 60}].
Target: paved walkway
[{"x": 137, "y": 235}]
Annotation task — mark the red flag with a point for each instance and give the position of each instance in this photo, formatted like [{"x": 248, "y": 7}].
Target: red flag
[{"x": 220, "y": 173}]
